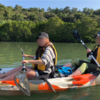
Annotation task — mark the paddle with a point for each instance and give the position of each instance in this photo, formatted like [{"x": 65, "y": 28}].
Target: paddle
[
  {"x": 77, "y": 36},
  {"x": 21, "y": 79}
]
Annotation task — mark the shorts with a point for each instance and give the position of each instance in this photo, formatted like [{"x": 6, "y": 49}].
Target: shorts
[
  {"x": 37, "y": 73},
  {"x": 91, "y": 67}
]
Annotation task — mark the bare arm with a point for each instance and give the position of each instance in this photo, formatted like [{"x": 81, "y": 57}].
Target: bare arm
[
  {"x": 30, "y": 56},
  {"x": 40, "y": 62}
]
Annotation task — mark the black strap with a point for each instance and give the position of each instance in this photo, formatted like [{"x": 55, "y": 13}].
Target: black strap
[
  {"x": 49, "y": 84},
  {"x": 44, "y": 78},
  {"x": 52, "y": 73}
]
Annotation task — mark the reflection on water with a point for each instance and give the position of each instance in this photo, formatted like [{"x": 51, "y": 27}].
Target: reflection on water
[
  {"x": 92, "y": 93},
  {"x": 10, "y": 56}
]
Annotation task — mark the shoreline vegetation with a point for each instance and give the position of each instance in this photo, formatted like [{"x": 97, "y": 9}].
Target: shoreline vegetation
[{"x": 19, "y": 24}]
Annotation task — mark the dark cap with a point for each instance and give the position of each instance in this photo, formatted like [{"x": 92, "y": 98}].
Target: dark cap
[
  {"x": 97, "y": 35},
  {"x": 43, "y": 35}
]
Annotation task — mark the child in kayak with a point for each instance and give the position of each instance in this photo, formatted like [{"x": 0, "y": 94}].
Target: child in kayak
[
  {"x": 85, "y": 66},
  {"x": 43, "y": 63}
]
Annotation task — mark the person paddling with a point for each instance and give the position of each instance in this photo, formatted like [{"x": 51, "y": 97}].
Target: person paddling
[
  {"x": 84, "y": 66},
  {"x": 43, "y": 63}
]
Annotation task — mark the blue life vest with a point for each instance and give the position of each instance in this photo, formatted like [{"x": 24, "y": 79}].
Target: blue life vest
[{"x": 65, "y": 71}]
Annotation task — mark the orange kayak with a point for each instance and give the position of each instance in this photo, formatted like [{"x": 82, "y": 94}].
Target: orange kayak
[{"x": 59, "y": 83}]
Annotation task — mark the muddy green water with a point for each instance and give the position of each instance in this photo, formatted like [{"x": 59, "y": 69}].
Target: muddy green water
[{"x": 10, "y": 56}]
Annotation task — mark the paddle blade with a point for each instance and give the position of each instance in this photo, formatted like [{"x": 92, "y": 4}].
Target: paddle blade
[
  {"x": 76, "y": 35},
  {"x": 22, "y": 83}
]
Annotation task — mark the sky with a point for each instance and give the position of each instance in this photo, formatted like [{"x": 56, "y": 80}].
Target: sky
[{"x": 80, "y": 4}]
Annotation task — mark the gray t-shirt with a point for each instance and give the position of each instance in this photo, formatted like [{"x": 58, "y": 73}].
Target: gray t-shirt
[{"x": 48, "y": 59}]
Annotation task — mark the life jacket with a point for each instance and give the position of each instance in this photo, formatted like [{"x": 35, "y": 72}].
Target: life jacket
[
  {"x": 43, "y": 67},
  {"x": 96, "y": 53}
]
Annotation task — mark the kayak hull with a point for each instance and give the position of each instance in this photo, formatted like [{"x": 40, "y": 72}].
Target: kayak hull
[{"x": 59, "y": 84}]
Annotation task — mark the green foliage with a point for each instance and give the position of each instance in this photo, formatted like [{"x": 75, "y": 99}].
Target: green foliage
[{"x": 21, "y": 24}]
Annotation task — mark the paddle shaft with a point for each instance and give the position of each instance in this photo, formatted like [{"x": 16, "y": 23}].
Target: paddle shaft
[
  {"x": 24, "y": 68},
  {"x": 23, "y": 59},
  {"x": 91, "y": 54}
]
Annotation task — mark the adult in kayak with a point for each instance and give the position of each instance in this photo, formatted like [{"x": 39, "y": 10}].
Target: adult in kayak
[
  {"x": 42, "y": 64},
  {"x": 87, "y": 66}
]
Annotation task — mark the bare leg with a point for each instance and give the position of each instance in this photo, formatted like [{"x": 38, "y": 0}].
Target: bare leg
[
  {"x": 11, "y": 72},
  {"x": 72, "y": 63},
  {"x": 68, "y": 65},
  {"x": 30, "y": 73},
  {"x": 77, "y": 72},
  {"x": 80, "y": 70}
]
